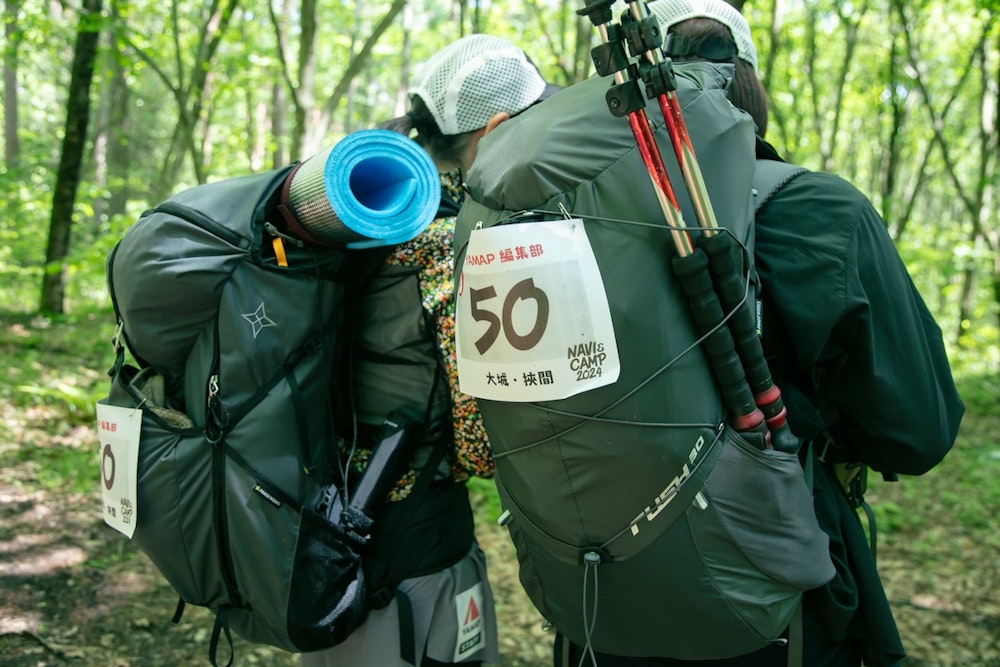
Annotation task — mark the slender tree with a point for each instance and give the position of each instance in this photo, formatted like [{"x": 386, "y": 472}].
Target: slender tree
[
  {"x": 189, "y": 87},
  {"x": 309, "y": 136},
  {"x": 68, "y": 177},
  {"x": 973, "y": 193},
  {"x": 12, "y": 144}
]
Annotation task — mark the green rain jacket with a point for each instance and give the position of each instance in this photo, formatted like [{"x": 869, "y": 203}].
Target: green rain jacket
[
  {"x": 844, "y": 324},
  {"x": 858, "y": 356}
]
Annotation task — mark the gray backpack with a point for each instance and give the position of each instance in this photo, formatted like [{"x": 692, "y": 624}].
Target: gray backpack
[
  {"x": 644, "y": 525},
  {"x": 242, "y": 379}
]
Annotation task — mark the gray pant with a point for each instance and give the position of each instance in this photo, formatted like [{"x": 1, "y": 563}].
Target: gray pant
[{"x": 453, "y": 618}]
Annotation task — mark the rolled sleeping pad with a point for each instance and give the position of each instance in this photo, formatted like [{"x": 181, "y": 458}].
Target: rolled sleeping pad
[{"x": 372, "y": 188}]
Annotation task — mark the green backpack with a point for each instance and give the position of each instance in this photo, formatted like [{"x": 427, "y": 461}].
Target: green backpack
[
  {"x": 644, "y": 525},
  {"x": 243, "y": 378}
]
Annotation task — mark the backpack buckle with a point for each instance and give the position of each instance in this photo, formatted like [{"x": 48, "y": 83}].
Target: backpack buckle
[
  {"x": 117, "y": 339},
  {"x": 381, "y": 598},
  {"x": 825, "y": 447}
]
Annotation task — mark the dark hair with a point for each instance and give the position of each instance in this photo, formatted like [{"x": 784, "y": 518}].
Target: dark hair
[
  {"x": 746, "y": 91},
  {"x": 418, "y": 118}
]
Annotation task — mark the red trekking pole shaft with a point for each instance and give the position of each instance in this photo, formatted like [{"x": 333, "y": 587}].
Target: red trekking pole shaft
[
  {"x": 670, "y": 108},
  {"x": 625, "y": 99},
  {"x": 724, "y": 253},
  {"x": 690, "y": 265}
]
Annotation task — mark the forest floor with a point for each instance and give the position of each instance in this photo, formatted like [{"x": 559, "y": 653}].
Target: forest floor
[{"x": 74, "y": 592}]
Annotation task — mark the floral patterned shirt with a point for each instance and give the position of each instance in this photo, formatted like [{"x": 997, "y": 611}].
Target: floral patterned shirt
[{"x": 432, "y": 251}]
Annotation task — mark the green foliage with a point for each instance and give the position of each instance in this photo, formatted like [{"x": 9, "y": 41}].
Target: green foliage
[
  {"x": 54, "y": 375},
  {"x": 981, "y": 395},
  {"x": 484, "y": 498},
  {"x": 964, "y": 488},
  {"x": 56, "y": 362},
  {"x": 67, "y": 469},
  {"x": 78, "y": 401},
  {"x": 831, "y": 102}
]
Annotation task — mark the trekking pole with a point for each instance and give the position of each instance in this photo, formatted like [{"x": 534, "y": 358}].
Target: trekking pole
[
  {"x": 724, "y": 253},
  {"x": 625, "y": 99},
  {"x": 690, "y": 265},
  {"x": 389, "y": 457}
]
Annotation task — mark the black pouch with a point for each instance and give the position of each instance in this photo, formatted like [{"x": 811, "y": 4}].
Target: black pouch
[{"x": 328, "y": 593}]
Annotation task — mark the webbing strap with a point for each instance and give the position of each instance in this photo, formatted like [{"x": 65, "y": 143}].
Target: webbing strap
[
  {"x": 179, "y": 611},
  {"x": 872, "y": 529},
  {"x": 221, "y": 626},
  {"x": 796, "y": 637},
  {"x": 404, "y": 608},
  {"x": 407, "y": 633},
  {"x": 562, "y": 650}
]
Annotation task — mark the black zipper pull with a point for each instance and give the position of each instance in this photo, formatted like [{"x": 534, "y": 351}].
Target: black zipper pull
[{"x": 215, "y": 421}]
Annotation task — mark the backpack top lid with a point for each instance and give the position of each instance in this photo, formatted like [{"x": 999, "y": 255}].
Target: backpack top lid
[
  {"x": 167, "y": 273},
  {"x": 541, "y": 158}
]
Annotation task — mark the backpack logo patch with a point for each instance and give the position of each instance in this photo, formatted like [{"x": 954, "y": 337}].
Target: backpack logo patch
[
  {"x": 259, "y": 320},
  {"x": 471, "y": 633},
  {"x": 473, "y": 613}
]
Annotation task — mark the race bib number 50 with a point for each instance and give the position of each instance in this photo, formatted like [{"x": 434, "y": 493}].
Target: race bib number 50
[{"x": 532, "y": 317}]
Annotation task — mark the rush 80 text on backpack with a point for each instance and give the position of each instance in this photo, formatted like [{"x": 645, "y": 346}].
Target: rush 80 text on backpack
[
  {"x": 235, "y": 490},
  {"x": 647, "y": 521}
]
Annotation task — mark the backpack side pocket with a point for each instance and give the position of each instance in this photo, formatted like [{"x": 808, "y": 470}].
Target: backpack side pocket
[
  {"x": 173, "y": 505},
  {"x": 761, "y": 500}
]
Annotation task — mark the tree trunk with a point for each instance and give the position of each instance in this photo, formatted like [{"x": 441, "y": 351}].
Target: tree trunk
[
  {"x": 111, "y": 145},
  {"x": 68, "y": 177},
  {"x": 12, "y": 143},
  {"x": 189, "y": 91},
  {"x": 279, "y": 157},
  {"x": 356, "y": 65}
]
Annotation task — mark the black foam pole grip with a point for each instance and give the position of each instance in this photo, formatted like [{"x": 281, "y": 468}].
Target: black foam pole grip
[
  {"x": 692, "y": 271},
  {"x": 725, "y": 266}
]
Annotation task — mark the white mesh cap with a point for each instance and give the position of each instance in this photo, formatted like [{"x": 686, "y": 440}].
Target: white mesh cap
[
  {"x": 469, "y": 81},
  {"x": 669, "y": 12}
]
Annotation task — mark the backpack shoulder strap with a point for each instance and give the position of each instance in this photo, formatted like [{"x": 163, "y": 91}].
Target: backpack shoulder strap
[{"x": 769, "y": 177}]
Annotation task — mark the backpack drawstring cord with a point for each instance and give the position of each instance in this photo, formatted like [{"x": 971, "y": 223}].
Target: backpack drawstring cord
[{"x": 591, "y": 560}]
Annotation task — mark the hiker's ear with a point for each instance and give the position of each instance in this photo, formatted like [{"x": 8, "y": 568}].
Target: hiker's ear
[{"x": 495, "y": 121}]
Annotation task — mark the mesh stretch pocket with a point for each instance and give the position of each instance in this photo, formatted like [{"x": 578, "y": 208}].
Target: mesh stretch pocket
[
  {"x": 761, "y": 500},
  {"x": 326, "y": 601}
]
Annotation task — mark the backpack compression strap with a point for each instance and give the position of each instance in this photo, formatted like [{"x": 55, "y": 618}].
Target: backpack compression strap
[{"x": 769, "y": 177}]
